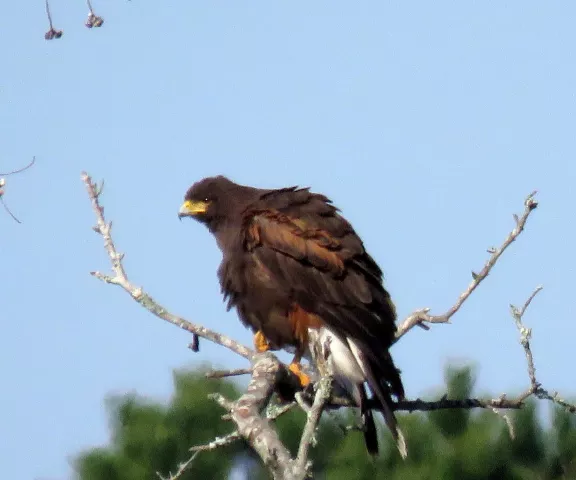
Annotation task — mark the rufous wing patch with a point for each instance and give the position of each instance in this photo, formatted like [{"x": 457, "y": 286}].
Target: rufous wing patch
[{"x": 291, "y": 237}]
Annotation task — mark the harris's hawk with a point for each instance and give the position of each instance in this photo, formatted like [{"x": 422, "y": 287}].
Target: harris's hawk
[{"x": 292, "y": 263}]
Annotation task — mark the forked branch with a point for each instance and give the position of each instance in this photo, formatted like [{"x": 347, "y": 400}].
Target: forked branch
[{"x": 421, "y": 317}]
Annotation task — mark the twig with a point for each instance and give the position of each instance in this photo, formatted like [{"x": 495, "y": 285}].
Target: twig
[
  {"x": 218, "y": 442},
  {"x": 300, "y": 399},
  {"x": 507, "y": 420},
  {"x": 20, "y": 170},
  {"x": 181, "y": 468},
  {"x": 320, "y": 353},
  {"x": 525, "y": 336},
  {"x": 226, "y": 440},
  {"x": 443, "y": 403},
  {"x": 235, "y": 436},
  {"x": 535, "y": 387},
  {"x": 274, "y": 411},
  {"x": 93, "y": 19},
  {"x": 420, "y": 316},
  {"x": 322, "y": 396},
  {"x": 228, "y": 373},
  {"x": 52, "y": 32},
  {"x": 2, "y": 183},
  {"x": 121, "y": 278}
]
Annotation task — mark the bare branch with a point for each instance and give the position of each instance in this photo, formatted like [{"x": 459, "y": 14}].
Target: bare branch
[
  {"x": 6, "y": 206},
  {"x": 19, "y": 170},
  {"x": 93, "y": 19},
  {"x": 52, "y": 32},
  {"x": 3, "y": 184},
  {"x": 535, "y": 388},
  {"x": 121, "y": 278},
  {"x": 525, "y": 336},
  {"x": 443, "y": 403},
  {"x": 181, "y": 468},
  {"x": 508, "y": 421},
  {"x": 256, "y": 430},
  {"x": 228, "y": 373},
  {"x": 420, "y": 316},
  {"x": 322, "y": 396},
  {"x": 218, "y": 442}
]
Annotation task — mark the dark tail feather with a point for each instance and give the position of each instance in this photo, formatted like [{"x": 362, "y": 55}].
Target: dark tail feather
[
  {"x": 378, "y": 374},
  {"x": 392, "y": 424},
  {"x": 368, "y": 424},
  {"x": 382, "y": 393}
]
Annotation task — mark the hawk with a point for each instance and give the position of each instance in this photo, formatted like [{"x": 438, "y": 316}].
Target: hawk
[{"x": 292, "y": 265}]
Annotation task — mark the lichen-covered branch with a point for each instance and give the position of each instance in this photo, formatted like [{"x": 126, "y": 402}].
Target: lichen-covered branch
[
  {"x": 535, "y": 387},
  {"x": 257, "y": 430},
  {"x": 421, "y": 317},
  {"x": 120, "y": 278},
  {"x": 228, "y": 373},
  {"x": 313, "y": 415}
]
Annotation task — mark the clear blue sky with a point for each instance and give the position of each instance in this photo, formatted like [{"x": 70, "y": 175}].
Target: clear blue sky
[{"x": 426, "y": 122}]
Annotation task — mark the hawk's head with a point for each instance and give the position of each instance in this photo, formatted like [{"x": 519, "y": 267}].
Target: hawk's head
[{"x": 215, "y": 200}]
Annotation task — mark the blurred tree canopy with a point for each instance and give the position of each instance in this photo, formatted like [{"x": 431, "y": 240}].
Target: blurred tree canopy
[{"x": 148, "y": 437}]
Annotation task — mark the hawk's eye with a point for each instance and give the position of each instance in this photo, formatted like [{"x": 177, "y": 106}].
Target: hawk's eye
[{"x": 206, "y": 199}]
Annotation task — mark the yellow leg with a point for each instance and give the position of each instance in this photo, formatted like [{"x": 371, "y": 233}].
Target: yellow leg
[
  {"x": 260, "y": 342},
  {"x": 296, "y": 368}
]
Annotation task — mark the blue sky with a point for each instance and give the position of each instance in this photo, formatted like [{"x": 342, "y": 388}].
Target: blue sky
[{"x": 427, "y": 123}]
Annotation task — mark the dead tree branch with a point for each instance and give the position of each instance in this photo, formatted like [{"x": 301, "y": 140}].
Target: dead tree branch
[
  {"x": 93, "y": 19},
  {"x": 52, "y": 32},
  {"x": 181, "y": 468},
  {"x": 19, "y": 170},
  {"x": 256, "y": 430},
  {"x": 228, "y": 373},
  {"x": 308, "y": 439},
  {"x": 120, "y": 278},
  {"x": 3, "y": 184},
  {"x": 271, "y": 414},
  {"x": 535, "y": 387},
  {"x": 420, "y": 317}
]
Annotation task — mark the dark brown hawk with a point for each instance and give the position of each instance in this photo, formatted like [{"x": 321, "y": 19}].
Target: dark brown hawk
[{"x": 291, "y": 265}]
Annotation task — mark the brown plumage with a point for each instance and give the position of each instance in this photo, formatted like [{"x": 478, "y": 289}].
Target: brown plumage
[{"x": 292, "y": 263}]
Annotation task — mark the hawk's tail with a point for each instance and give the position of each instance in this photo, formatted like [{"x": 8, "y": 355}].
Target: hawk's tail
[
  {"x": 392, "y": 424},
  {"x": 381, "y": 379},
  {"x": 368, "y": 424}
]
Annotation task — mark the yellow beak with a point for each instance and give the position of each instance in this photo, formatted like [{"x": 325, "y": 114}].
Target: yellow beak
[{"x": 190, "y": 208}]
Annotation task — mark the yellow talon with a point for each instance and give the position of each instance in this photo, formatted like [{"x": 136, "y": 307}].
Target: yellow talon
[
  {"x": 296, "y": 369},
  {"x": 260, "y": 342}
]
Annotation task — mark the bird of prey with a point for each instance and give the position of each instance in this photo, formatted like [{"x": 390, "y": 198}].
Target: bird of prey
[{"x": 292, "y": 265}]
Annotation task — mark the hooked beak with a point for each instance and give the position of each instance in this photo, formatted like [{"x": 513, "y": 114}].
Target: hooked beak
[{"x": 190, "y": 208}]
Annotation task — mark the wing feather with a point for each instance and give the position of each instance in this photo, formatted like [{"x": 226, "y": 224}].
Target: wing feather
[{"x": 314, "y": 254}]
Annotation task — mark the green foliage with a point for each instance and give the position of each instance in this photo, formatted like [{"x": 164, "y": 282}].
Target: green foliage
[
  {"x": 149, "y": 437},
  {"x": 466, "y": 445},
  {"x": 450, "y": 445}
]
